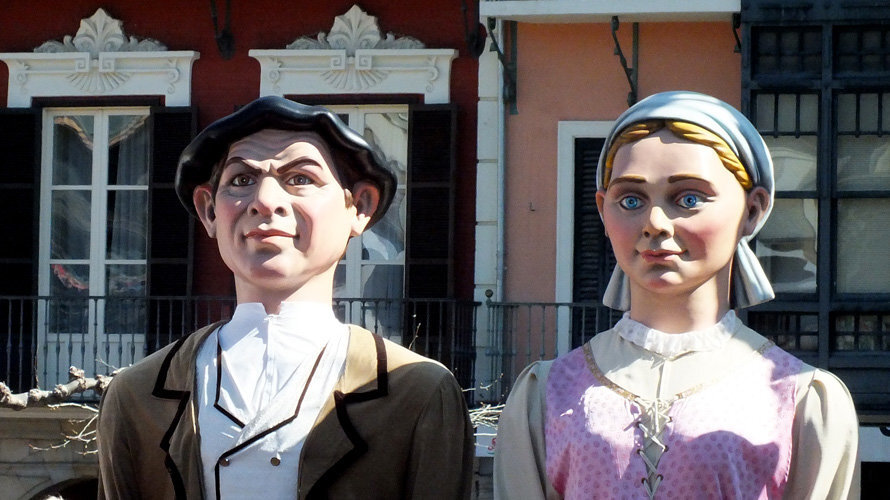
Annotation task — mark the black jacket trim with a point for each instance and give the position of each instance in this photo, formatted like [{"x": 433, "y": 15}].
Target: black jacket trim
[
  {"x": 183, "y": 396},
  {"x": 216, "y": 404},
  {"x": 341, "y": 401}
]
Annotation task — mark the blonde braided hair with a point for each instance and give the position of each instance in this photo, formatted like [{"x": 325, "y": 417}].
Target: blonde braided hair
[{"x": 683, "y": 130}]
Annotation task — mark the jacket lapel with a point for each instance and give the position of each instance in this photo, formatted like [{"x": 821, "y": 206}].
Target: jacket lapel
[
  {"x": 176, "y": 383},
  {"x": 334, "y": 443}
]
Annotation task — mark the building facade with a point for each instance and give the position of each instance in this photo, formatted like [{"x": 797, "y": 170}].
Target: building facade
[
  {"x": 102, "y": 265},
  {"x": 813, "y": 78}
]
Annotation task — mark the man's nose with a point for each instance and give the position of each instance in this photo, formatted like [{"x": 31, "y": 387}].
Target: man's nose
[
  {"x": 270, "y": 198},
  {"x": 658, "y": 223}
]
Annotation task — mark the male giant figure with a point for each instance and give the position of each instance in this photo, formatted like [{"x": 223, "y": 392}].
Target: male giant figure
[{"x": 283, "y": 400}]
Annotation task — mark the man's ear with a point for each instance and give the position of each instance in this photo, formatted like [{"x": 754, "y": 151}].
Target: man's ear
[
  {"x": 756, "y": 203},
  {"x": 202, "y": 197},
  {"x": 366, "y": 197},
  {"x": 600, "y": 201}
]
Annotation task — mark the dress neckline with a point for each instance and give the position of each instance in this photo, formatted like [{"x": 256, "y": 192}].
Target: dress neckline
[{"x": 672, "y": 345}]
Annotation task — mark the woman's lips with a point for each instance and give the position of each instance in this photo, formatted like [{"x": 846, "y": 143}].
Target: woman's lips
[{"x": 658, "y": 255}]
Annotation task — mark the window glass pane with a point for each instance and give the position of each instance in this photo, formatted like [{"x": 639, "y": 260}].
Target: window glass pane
[
  {"x": 72, "y": 150},
  {"x": 128, "y": 150},
  {"x": 70, "y": 227},
  {"x": 795, "y": 162},
  {"x": 809, "y": 113},
  {"x": 125, "y": 314},
  {"x": 786, "y": 246},
  {"x": 863, "y": 246},
  {"x": 787, "y": 113},
  {"x": 382, "y": 281},
  {"x": 68, "y": 310},
  {"x": 863, "y": 163},
  {"x": 846, "y": 113},
  {"x": 340, "y": 280},
  {"x": 126, "y": 225},
  {"x": 765, "y": 112},
  {"x": 389, "y": 133}
]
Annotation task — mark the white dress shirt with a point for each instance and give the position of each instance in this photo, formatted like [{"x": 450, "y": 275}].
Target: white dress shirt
[{"x": 269, "y": 364}]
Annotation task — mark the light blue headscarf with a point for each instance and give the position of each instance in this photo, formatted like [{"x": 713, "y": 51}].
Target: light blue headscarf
[{"x": 750, "y": 286}]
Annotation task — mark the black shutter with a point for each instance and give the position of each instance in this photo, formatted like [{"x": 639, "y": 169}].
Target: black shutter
[
  {"x": 19, "y": 200},
  {"x": 170, "y": 241},
  {"x": 594, "y": 260},
  {"x": 430, "y": 201}
]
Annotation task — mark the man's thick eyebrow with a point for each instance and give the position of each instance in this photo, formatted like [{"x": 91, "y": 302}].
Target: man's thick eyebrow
[
  {"x": 299, "y": 162},
  {"x": 634, "y": 179}
]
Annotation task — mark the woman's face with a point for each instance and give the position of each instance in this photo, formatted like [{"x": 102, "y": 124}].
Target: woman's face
[{"x": 674, "y": 215}]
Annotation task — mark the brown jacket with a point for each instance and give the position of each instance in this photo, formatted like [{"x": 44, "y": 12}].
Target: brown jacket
[{"x": 395, "y": 426}]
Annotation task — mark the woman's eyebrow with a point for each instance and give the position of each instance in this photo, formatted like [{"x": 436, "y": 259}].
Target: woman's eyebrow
[
  {"x": 687, "y": 177},
  {"x": 633, "y": 179}
]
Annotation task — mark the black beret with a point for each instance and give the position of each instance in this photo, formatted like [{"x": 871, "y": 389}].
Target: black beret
[{"x": 355, "y": 160}]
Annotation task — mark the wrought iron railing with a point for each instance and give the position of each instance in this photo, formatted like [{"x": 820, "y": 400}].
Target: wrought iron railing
[
  {"x": 520, "y": 333},
  {"x": 40, "y": 337}
]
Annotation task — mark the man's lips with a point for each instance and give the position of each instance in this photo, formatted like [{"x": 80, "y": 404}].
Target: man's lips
[{"x": 267, "y": 233}]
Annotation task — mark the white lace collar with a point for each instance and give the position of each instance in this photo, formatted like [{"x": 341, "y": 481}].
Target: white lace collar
[{"x": 671, "y": 345}]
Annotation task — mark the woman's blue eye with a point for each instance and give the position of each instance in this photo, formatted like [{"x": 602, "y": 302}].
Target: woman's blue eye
[
  {"x": 690, "y": 200},
  {"x": 630, "y": 202}
]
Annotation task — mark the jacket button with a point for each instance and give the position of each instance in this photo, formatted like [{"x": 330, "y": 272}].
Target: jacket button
[
  {"x": 224, "y": 462},
  {"x": 275, "y": 461}
]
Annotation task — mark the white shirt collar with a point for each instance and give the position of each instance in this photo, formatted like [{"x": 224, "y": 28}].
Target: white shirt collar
[
  {"x": 311, "y": 323},
  {"x": 670, "y": 345}
]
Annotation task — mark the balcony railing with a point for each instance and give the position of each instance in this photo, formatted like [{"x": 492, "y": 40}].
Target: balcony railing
[
  {"x": 523, "y": 332},
  {"x": 40, "y": 337}
]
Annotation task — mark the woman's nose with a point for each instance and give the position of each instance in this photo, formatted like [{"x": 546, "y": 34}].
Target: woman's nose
[
  {"x": 270, "y": 198},
  {"x": 657, "y": 223}
]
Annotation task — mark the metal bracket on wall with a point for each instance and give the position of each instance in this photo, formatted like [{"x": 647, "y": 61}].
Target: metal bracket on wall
[
  {"x": 508, "y": 61},
  {"x": 736, "y": 24},
  {"x": 630, "y": 72},
  {"x": 225, "y": 40}
]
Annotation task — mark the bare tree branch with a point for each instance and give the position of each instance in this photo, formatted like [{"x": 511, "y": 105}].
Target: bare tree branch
[{"x": 78, "y": 383}]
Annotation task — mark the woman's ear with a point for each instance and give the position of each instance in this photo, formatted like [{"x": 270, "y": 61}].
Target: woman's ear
[
  {"x": 366, "y": 198},
  {"x": 600, "y": 201},
  {"x": 756, "y": 204},
  {"x": 202, "y": 197}
]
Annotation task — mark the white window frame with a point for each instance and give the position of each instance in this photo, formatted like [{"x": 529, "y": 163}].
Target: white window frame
[
  {"x": 567, "y": 132},
  {"x": 97, "y": 261},
  {"x": 353, "y": 255}
]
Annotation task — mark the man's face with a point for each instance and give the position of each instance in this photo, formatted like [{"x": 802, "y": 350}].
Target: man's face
[{"x": 280, "y": 216}]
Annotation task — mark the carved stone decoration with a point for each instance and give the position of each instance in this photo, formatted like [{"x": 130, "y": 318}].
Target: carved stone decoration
[
  {"x": 355, "y": 30},
  {"x": 100, "y": 59},
  {"x": 355, "y": 57},
  {"x": 100, "y": 33}
]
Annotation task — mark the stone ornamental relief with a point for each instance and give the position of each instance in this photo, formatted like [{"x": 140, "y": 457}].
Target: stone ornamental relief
[
  {"x": 356, "y": 57},
  {"x": 100, "y": 59}
]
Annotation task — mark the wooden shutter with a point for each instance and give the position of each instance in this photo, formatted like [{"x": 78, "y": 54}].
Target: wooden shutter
[
  {"x": 171, "y": 237},
  {"x": 19, "y": 199},
  {"x": 430, "y": 201},
  {"x": 594, "y": 260}
]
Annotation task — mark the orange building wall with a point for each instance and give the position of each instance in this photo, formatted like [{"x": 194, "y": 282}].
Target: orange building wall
[{"x": 570, "y": 72}]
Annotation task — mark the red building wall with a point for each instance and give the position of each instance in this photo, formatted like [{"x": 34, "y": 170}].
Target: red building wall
[{"x": 219, "y": 85}]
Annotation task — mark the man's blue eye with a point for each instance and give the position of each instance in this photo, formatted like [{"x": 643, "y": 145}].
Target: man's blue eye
[
  {"x": 630, "y": 202},
  {"x": 690, "y": 200}
]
